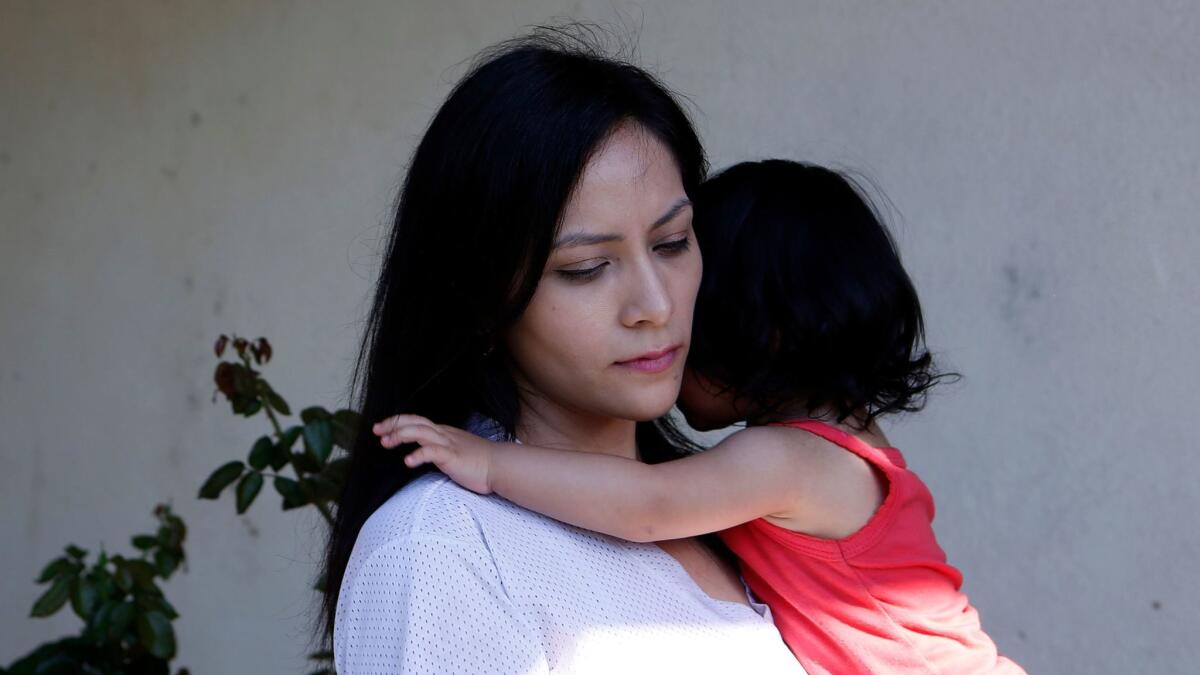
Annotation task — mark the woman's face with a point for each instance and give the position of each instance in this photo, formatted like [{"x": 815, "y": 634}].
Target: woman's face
[{"x": 607, "y": 331}]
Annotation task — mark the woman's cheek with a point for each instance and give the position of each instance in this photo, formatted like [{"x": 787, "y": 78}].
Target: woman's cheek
[{"x": 560, "y": 331}]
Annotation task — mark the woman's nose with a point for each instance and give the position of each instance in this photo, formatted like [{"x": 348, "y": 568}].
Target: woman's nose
[{"x": 647, "y": 298}]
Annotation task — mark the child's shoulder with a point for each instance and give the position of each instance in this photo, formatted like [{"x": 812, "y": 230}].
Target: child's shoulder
[
  {"x": 783, "y": 446},
  {"x": 777, "y": 438},
  {"x": 835, "y": 490}
]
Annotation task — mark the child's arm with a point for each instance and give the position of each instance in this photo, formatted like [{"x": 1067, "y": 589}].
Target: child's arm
[{"x": 749, "y": 475}]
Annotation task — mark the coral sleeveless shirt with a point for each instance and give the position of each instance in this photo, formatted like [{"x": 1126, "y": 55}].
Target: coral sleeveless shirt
[{"x": 882, "y": 600}]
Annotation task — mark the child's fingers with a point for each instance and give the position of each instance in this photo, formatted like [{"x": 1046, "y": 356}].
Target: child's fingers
[
  {"x": 416, "y": 433},
  {"x": 396, "y": 421},
  {"x": 426, "y": 454},
  {"x": 420, "y": 435}
]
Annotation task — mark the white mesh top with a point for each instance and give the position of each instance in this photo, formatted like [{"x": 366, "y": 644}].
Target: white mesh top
[{"x": 442, "y": 580}]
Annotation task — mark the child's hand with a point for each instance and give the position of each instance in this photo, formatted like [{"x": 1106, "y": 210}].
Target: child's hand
[{"x": 461, "y": 455}]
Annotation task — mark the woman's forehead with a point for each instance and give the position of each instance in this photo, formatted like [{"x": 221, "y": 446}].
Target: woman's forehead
[{"x": 631, "y": 183}]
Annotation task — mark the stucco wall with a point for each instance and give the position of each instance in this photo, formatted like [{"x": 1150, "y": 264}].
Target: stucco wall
[{"x": 171, "y": 171}]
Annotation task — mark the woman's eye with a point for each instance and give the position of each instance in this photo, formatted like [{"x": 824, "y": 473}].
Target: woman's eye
[
  {"x": 584, "y": 274},
  {"x": 674, "y": 247}
]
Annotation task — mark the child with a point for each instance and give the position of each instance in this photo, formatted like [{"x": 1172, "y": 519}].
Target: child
[{"x": 808, "y": 329}]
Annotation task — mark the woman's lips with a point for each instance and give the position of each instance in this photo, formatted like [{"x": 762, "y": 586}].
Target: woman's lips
[{"x": 652, "y": 362}]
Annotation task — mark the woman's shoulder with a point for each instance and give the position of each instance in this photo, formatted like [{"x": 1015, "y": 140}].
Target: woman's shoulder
[{"x": 433, "y": 507}]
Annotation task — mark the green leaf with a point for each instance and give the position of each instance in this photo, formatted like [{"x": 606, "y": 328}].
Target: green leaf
[
  {"x": 53, "y": 599},
  {"x": 336, "y": 471},
  {"x": 160, "y": 604},
  {"x": 305, "y": 462},
  {"x": 166, "y": 562},
  {"x": 220, "y": 479},
  {"x": 97, "y": 625},
  {"x": 144, "y": 542},
  {"x": 68, "y": 656},
  {"x": 322, "y": 488},
  {"x": 288, "y": 488},
  {"x": 144, "y": 598},
  {"x": 313, "y": 413},
  {"x": 275, "y": 400},
  {"x": 156, "y": 634},
  {"x": 104, "y": 582},
  {"x": 246, "y": 407},
  {"x": 57, "y": 567},
  {"x": 318, "y": 439},
  {"x": 288, "y": 439},
  {"x": 345, "y": 426},
  {"x": 76, "y": 552},
  {"x": 281, "y": 453},
  {"x": 119, "y": 621},
  {"x": 124, "y": 575},
  {"x": 172, "y": 532},
  {"x": 260, "y": 454},
  {"x": 279, "y": 457},
  {"x": 248, "y": 489},
  {"x": 293, "y": 496},
  {"x": 143, "y": 574},
  {"x": 84, "y": 597}
]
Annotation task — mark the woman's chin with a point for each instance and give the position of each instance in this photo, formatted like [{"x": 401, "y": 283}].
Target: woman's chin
[
  {"x": 649, "y": 414},
  {"x": 644, "y": 408},
  {"x": 641, "y": 400}
]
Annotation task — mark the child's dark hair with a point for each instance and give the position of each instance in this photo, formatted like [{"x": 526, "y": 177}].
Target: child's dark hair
[{"x": 804, "y": 300}]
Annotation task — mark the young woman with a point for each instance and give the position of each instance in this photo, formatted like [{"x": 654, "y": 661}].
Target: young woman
[{"x": 538, "y": 286}]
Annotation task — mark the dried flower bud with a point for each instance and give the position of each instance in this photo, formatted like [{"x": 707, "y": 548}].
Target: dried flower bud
[{"x": 264, "y": 348}]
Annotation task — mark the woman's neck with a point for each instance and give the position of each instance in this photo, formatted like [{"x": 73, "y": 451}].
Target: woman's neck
[{"x": 551, "y": 425}]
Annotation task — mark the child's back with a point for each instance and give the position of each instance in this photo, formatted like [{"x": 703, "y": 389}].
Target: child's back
[{"x": 882, "y": 599}]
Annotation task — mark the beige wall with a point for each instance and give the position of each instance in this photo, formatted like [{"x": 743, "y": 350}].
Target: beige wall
[{"x": 169, "y": 171}]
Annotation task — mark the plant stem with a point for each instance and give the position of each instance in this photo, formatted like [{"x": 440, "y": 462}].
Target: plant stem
[{"x": 266, "y": 406}]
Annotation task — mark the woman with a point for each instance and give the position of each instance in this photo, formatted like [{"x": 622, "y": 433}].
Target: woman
[{"x": 538, "y": 285}]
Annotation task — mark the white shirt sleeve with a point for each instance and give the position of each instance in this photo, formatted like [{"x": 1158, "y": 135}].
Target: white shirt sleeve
[{"x": 424, "y": 604}]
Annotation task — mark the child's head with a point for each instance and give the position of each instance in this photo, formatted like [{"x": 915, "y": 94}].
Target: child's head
[{"x": 804, "y": 307}]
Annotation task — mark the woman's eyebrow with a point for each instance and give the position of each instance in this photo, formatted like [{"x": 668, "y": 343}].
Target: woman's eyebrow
[
  {"x": 671, "y": 213},
  {"x": 586, "y": 239}
]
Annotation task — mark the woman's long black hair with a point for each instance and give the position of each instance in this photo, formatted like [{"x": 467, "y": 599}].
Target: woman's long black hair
[{"x": 473, "y": 228}]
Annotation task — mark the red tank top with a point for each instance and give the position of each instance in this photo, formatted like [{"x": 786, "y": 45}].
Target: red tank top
[{"x": 882, "y": 600}]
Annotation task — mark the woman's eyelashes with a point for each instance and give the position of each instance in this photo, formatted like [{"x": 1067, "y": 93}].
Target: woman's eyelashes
[
  {"x": 583, "y": 273},
  {"x": 668, "y": 249},
  {"x": 675, "y": 246}
]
